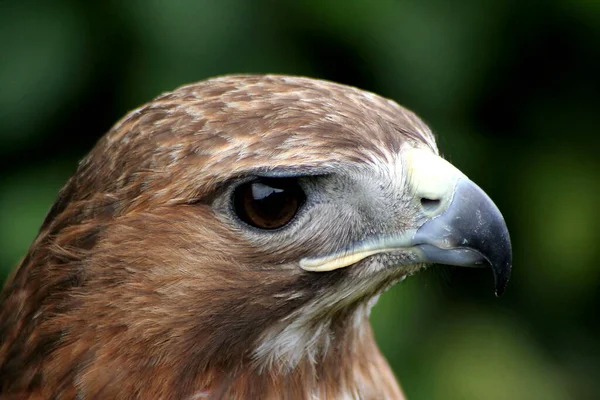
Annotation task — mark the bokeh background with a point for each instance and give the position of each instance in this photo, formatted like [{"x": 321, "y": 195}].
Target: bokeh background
[{"x": 511, "y": 88}]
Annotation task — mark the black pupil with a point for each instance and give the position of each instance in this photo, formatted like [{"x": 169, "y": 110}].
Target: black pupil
[{"x": 268, "y": 203}]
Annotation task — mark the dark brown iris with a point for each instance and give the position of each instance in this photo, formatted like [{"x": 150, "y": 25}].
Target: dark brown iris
[{"x": 268, "y": 203}]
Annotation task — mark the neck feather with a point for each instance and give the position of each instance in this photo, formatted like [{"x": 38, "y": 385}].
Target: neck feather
[{"x": 347, "y": 365}]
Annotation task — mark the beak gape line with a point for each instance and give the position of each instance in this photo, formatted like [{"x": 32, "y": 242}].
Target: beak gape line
[{"x": 467, "y": 229}]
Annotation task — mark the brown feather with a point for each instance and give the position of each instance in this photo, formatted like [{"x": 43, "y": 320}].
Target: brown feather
[{"x": 135, "y": 289}]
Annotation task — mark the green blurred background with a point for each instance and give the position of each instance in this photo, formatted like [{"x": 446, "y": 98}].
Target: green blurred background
[{"x": 511, "y": 89}]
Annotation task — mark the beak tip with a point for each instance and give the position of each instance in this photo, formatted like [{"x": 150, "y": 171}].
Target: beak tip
[{"x": 501, "y": 278}]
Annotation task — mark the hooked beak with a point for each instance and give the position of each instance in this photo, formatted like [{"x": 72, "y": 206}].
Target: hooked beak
[
  {"x": 464, "y": 227},
  {"x": 470, "y": 232}
]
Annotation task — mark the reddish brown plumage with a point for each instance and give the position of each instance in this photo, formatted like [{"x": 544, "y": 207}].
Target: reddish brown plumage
[{"x": 135, "y": 288}]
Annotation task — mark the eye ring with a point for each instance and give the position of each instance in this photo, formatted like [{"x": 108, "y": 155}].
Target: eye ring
[{"x": 268, "y": 203}]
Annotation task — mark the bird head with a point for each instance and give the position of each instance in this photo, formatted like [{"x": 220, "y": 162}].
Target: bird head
[{"x": 247, "y": 220}]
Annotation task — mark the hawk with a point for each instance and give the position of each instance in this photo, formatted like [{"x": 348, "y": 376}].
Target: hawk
[{"x": 227, "y": 241}]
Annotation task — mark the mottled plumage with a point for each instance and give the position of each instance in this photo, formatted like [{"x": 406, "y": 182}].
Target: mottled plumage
[{"x": 142, "y": 283}]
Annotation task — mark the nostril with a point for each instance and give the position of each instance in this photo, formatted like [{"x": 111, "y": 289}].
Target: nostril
[{"x": 430, "y": 204}]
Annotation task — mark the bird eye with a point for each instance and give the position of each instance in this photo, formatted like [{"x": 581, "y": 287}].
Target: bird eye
[{"x": 268, "y": 203}]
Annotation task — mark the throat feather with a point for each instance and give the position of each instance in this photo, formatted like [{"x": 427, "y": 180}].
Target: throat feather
[{"x": 337, "y": 319}]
